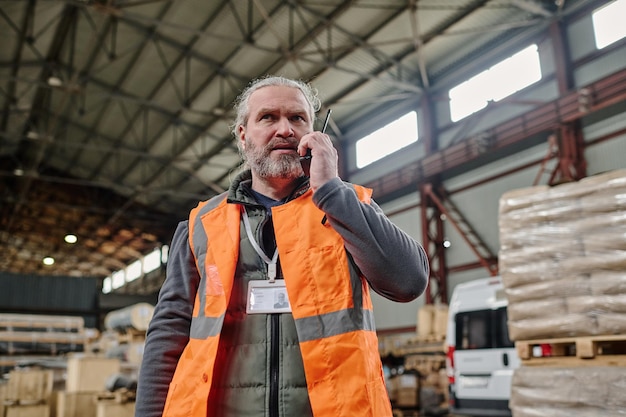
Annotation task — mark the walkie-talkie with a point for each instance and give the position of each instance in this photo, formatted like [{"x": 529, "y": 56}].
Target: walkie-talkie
[{"x": 306, "y": 159}]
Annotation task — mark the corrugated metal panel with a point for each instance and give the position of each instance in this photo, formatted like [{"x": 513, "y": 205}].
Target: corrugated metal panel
[
  {"x": 606, "y": 156},
  {"x": 53, "y": 295}
]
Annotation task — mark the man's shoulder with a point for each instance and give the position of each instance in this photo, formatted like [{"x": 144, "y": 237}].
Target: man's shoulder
[
  {"x": 206, "y": 206},
  {"x": 214, "y": 201}
]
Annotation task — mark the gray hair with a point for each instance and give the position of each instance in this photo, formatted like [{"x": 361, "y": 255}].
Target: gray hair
[{"x": 241, "y": 104}]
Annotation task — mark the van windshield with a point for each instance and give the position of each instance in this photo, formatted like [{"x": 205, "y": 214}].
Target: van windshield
[{"x": 482, "y": 329}]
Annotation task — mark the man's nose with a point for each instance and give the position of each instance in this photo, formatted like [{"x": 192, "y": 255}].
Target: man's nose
[{"x": 284, "y": 127}]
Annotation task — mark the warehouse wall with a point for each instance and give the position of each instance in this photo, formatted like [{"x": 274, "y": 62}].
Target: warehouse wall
[
  {"x": 604, "y": 135},
  {"x": 479, "y": 206}
]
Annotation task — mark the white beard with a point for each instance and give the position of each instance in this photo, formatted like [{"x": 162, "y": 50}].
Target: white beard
[{"x": 260, "y": 161}]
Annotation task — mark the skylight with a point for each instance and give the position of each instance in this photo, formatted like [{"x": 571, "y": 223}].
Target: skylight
[
  {"x": 386, "y": 140},
  {"x": 500, "y": 81},
  {"x": 608, "y": 23}
]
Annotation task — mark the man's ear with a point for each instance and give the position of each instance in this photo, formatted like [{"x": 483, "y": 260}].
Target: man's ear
[{"x": 241, "y": 133}]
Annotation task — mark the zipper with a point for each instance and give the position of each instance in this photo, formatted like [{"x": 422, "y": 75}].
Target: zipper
[
  {"x": 274, "y": 363},
  {"x": 274, "y": 334}
]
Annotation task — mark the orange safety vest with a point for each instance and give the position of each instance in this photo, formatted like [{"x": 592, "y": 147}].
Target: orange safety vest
[{"x": 330, "y": 303}]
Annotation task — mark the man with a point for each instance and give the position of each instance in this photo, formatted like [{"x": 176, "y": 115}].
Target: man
[{"x": 215, "y": 346}]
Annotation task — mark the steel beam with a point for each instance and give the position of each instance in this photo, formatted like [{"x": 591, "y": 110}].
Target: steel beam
[{"x": 544, "y": 118}]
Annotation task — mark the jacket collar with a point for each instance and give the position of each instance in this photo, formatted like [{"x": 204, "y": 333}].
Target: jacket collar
[{"x": 240, "y": 191}]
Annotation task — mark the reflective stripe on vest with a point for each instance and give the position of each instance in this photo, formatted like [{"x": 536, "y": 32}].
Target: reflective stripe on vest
[
  {"x": 203, "y": 327},
  {"x": 333, "y": 324},
  {"x": 309, "y": 328}
]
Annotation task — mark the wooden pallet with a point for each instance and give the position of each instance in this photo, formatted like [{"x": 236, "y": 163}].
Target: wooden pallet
[
  {"x": 131, "y": 336},
  {"x": 576, "y": 351},
  {"x": 120, "y": 396},
  {"x": 13, "y": 322},
  {"x": 43, "y": 337},
  {"x": 425, "y": 363},
  {"x": 431, "y": 338},
  {"x": 25, "y": 402},
  {"x": 399, "y": 412},
  {"x": 13, "y": 342},
  {"x": 37, "y": 333},
  {"x": 421, "y": 344}
]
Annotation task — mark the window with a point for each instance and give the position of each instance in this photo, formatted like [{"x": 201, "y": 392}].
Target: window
[
  {"x": 118, "y": 279},
  {"x": 500, "y": 81},
  {"x": 608, "y": 23},
  {"x": 473, "y": 330},
  {"x": 165, "y": 251},
  {"x": 106, "y": 285},
  {"x": 502, "y": 329},
  {"x": 133, "y": 271},
  {"x": 386, "y": 140},
  {"x": 148, "y": 263},
  {"x": 483, "y": 329},
  {"x": 152, "y": 261}
]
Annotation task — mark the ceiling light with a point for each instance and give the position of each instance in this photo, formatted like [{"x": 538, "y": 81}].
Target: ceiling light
[
  {"x": 71, "y": 238},
  {"x": 48, "y": 260},
  {"x": 55, "y": 82},
  {"x": 446, "y": 243}
]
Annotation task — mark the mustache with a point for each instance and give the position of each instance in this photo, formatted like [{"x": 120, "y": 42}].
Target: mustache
[{"x": 282, "y": 143}]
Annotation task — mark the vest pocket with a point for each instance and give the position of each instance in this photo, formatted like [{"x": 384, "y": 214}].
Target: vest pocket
[{"x": 329, "y": 283}]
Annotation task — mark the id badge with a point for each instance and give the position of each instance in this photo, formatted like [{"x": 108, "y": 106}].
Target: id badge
[{"x": 266, "y": 297}]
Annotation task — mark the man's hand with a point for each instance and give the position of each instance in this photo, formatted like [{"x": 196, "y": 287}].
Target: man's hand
[{"x": 322, "y": 165}]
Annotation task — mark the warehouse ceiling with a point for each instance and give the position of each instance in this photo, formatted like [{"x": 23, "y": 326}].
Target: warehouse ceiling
[{"x": 115, "y": 114}]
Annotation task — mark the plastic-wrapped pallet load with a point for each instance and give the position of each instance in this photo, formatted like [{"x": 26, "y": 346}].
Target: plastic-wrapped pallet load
[
  {"x": 136, "y": 316},
  {"x": 563, "y": 258},
  {"x": 568, "y": 392},
  {"x": 563, "y": 265}
]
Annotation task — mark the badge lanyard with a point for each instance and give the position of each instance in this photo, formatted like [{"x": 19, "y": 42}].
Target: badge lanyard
[{"x": 271, "y": 263}]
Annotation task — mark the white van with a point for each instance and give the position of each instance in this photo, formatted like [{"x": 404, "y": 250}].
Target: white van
[{"x": 480, "y": 356}]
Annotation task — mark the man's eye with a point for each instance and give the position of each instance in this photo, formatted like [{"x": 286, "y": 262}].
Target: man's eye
[{"x": 298, "y": 118}]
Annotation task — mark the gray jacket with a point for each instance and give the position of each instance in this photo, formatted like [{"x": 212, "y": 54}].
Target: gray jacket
[{"x": 394, "y": 264}]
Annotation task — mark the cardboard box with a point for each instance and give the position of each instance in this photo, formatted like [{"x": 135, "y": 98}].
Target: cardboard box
[
  {"x": 425, "y": 319},
  {"x": 32, "y": 410},
  {"x": 89, "y": 374},
  {"x": 3, "y": 396},
  {"x": 440, "y": 320},
  {"x": 76, "y": 404},
  {"x": 112, "y": 408},
  {"x": 407, "y": 381},
  {"x": 52, "y": 403},
  {"x": 29, "y": 385},
  {"x": 407, "y": 397},
  {"x": 404, "y": 390},
  {"x": 432, "y": 320}
]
